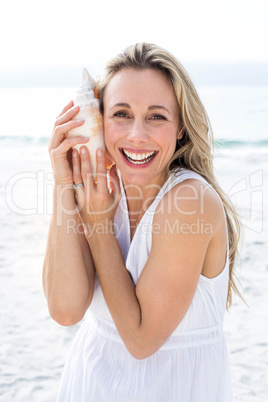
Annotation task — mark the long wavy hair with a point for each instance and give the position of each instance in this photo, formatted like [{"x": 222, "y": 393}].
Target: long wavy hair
[{"x": 194, "y": 150}]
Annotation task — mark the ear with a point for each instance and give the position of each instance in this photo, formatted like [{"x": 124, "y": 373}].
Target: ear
[{"x": 180, "y": 133}]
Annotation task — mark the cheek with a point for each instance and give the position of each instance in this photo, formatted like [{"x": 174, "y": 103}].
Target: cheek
[
  {"x": 111, "y": 135},
  {"x": 167, "y": 140},
  {"x": 113, "y": 131}
]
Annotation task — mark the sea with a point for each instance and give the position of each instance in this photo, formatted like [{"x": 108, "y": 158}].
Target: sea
[{"x": 33, "y": 347}]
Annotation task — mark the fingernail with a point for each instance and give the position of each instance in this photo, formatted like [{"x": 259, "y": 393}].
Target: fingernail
[
  {"x": 99, "y": 152},
  {"x": 75, "y": 153},
  {"x": 86, "y": 138},
  {"x": 83, "y": 150}
]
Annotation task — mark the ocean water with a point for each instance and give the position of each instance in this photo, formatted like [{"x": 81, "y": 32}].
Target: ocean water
[{"x": 33, "y": 347}]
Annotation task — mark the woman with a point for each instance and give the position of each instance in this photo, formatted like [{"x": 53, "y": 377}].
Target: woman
[{"x": 150, "y": 260}]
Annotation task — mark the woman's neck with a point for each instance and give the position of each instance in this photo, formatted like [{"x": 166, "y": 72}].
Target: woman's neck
[{"x": 139, "y": 198}]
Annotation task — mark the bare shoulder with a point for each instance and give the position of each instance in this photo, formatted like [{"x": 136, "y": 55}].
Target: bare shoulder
[
  {"x": 191, "y": 227},
  {"x": 191, "y": 201}
]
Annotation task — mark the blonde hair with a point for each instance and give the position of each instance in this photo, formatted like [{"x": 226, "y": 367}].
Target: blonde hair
[{"x": 194, "y": 151}]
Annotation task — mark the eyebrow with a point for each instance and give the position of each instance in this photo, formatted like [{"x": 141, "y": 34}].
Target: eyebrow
[
  {"x": 157, "y": 107},
  {"x": 122, "y": 105},
  {"x": 149, "y": 108}
]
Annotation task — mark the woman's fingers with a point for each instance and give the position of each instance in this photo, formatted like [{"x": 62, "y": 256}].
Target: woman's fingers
[
  {"x": 86, "y": 171},
  {"x": 67, "y": 107},
  {"x": 65, "y": 127},
  {"x": 68, "y": 115},
  {"x": 76, "y": 167},
  {"x": 60, "y": 163},
  {"x": 59, "y": 134},
  {"x": 63, "y": 124},
  {"x": 77, "y": 178},
  {"x": 67, "y": 144},
  {"x": 101, "y": 172},
  {"x": 94, "y": 201}
]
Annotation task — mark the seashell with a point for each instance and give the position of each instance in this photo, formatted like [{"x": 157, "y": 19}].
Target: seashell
[{"x": 90, "y": 113}]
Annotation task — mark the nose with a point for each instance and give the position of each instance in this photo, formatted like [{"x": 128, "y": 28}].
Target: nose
[{"x": 137, "y": 133}]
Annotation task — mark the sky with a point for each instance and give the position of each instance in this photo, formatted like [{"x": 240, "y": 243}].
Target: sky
[{"x": 56, "y": 34}]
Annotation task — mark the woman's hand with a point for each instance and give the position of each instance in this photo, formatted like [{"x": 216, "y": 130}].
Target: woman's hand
[
  {"x": 95, "y": 201},
  {"x": 59, "y": 145}
]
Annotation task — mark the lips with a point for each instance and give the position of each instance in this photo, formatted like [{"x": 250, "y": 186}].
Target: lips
[{"x": 139, "y": 158}]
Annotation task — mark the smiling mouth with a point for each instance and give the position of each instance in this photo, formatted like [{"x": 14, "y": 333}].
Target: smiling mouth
[{"x": 138, "y": 159}]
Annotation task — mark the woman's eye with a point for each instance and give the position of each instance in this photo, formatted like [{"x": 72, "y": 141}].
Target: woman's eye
[
  {"x": 120, "y": 114},
  {"x": 158, "y": 117}
]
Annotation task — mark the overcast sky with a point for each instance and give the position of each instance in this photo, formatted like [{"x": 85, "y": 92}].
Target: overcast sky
[{"x": 53, "y": 33}]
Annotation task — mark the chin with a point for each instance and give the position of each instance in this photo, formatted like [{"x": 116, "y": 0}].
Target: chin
[{"x": 141, "y": 180}]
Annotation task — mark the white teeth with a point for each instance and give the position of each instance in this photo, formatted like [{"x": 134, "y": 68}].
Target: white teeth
[{"x": 138, "y": 159}]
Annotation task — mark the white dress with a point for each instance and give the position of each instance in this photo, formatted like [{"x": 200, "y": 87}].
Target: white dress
[{"x": 192, "y": 365}]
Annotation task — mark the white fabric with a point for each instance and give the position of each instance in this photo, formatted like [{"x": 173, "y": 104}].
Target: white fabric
[{"x": 192, "y": 365}]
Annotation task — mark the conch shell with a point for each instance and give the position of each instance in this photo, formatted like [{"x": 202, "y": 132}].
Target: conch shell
[{"x": 90, "y": 113}]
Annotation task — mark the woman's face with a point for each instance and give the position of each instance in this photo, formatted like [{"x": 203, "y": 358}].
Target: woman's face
[{"x": 141, "y": 124}]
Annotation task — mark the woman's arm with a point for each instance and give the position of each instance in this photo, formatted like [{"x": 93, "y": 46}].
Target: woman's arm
[
  {"x": 68, "y": 271},
  {"x": 147, "y": 314}
]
